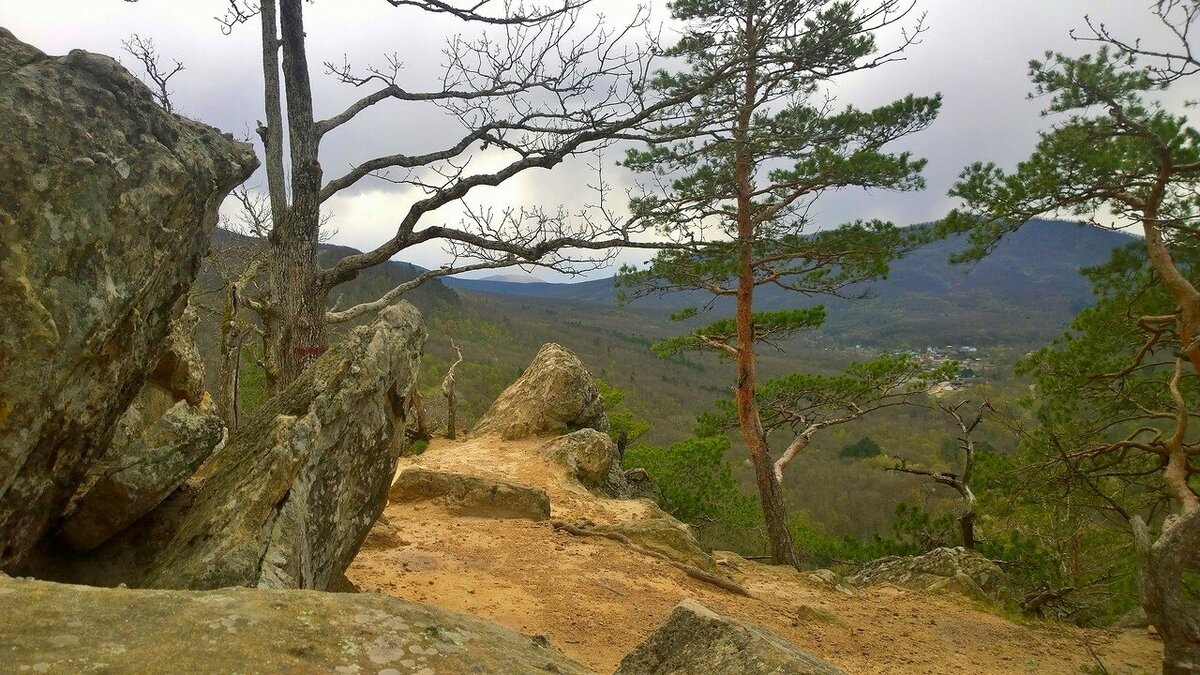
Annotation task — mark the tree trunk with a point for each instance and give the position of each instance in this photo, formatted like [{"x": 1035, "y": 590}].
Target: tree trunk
[
  {"x": 231, "y": 368},
  {"x": 1171, "y": 601},
  {"x": 783, "y": 551},
  {"x": 298, "y": 293},
  {"x": 451, "y": 417},
  {"x": 966, "y": 525}
]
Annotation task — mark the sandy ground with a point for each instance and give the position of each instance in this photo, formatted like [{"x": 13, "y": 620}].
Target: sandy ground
[{"x": 595, "y": 599}]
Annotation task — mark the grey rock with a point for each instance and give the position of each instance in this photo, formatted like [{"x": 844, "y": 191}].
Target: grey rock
[
  {"x": 289, "y": 499},
  {"x": 956, "y": 569},
  {"x": 554, "y": 395},
  {"x": 467, "y": 495},
  {"x": 832, "y": 580},
  {"x": 107, "y": 204},
  {"x": 140, "y": 476},
  {"x": 73, "y": 629},
  {"x": 590, "y": 457},
  {"x": 697, "y": 640}
]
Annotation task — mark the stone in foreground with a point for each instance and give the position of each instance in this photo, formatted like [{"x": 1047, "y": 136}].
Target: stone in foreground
[
  {"x": 697, "y": 640},
  {"x": 74, "y": 629},
  {"x": 555, "y": 395},
  {"x": 287, "y": 502},
  {"x": 107, "y": 204},
  {"x": 466, "y": 495}
]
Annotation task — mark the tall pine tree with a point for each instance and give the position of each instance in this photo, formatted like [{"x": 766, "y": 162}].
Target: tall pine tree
[{"x": 736, "y": 171}]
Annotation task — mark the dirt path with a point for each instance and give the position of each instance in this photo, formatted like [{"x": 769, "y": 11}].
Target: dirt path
[{"x": 595, "y": 599}]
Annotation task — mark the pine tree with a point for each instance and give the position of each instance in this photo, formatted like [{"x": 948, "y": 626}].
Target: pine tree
[{"x": 736, "y": 171}]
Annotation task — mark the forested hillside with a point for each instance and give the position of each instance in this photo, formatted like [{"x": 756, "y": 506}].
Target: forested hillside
[{"x": 1032, "y": 280}]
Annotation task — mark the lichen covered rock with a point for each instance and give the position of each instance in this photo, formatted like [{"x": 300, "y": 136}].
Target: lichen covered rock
[
  {"x": 555, "y": 395},
  {"x": 76, "y": 629},
  {"x": 956, "y": 569},
  {"x": 107, "y": 204},
  {"x": 466, "y": 495},
  {"x": 138, "y": 477},
  {"x": 697, "y": 640},
  {"x": 288, "y": 500}
]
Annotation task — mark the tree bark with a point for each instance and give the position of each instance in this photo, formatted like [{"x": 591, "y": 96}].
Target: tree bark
[
  {"x": 783, "y": 551},
  {"x": 299, "y": 296},
  {"x": 966, "y": 525},
  {"x": 1171, "y": 603}
]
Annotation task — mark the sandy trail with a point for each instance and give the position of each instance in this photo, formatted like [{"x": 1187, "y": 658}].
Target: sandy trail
[{"x": 595, "y": 599}]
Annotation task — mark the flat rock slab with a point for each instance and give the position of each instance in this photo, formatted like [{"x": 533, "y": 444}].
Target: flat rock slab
[
  {"x": 60, "y": 628},
  {"x": 696, "y": 639},
  {"x": 467, "y": 495}
]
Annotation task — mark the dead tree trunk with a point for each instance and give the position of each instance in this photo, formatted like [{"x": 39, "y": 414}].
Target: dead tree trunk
[{"x": 448, "y": 392}]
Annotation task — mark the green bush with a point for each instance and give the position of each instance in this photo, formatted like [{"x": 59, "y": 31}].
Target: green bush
[{"x": 863, "y": 448}]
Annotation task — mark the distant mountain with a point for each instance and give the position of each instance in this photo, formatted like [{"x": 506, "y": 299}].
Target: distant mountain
[{"x": 1025, "y": 292}]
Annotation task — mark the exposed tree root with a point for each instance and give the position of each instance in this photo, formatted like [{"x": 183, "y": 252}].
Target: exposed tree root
[{"x": 690, "y": 570}]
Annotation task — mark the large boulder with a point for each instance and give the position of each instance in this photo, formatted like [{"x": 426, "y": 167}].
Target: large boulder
[
  {"x": 138, "y": 477},
  {"x": 73, "y": 629},
  {"x": 554, "y": 395},
  {"x": 590, "y": 457},
  {"x": 107, "y": 204},
  {"x": 467, "y": 495},
  {"x": 288, "y": 500},
  {"x": 697, "y": 640},
  {"x": 956, "y": 569}
]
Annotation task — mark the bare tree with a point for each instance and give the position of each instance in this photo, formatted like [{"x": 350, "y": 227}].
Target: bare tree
[
  {"x": 546, "y": 84},
  {"x": 144, "y": 51},
  {"x": 448, "y": 393},
  {"x": 966, "y": 420}
]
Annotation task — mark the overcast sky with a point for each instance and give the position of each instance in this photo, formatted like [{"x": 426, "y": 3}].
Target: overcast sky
[{"x": 975, "y": 53}]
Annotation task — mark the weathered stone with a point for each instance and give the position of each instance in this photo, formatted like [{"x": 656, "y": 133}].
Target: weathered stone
[
  {"x": 288, "y": 500},
  {"x": 180, "y": 370},
  {"x": 832, "y": 580},
  {"x": 667, "y": 536},
  {"x": 107, "y": 204},
  {"x": 590, "y": 457},
  {"x": 554, "y": 395},
  {"x": 956, "y": 569},
  {"x": 139, "y": 476},
  {"x": 467, "y": 495},
  {"x": 697, "y": 640},
  {"x": 73, "y": 629}
]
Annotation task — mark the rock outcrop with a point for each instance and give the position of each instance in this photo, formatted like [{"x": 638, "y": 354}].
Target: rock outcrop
[
  {"x": 555, "y": 395},
  {"x": 466, "y": 495},
  {"x": 697, "y": 640},
  {"x": 590, "y": 457},
  {"x": 71, "y": 629},
  {"x": 288, "y": 500},
  {"x": 956, "y": 569},
  {"x": 107, "y": 204},
  {"x": 138, "y": 477}
]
